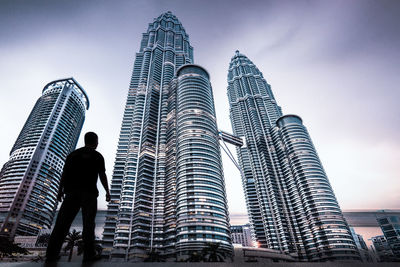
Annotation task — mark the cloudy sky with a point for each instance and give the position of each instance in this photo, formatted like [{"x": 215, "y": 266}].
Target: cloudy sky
[{"x": 334, "y": 63}]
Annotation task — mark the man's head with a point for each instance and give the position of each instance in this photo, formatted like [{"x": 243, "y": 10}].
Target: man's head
[{"x": 91, "y": 140}]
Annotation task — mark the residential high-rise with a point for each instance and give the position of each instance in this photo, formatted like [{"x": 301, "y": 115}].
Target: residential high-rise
[
  {"x": 167, "y": 189},
  {"x": 291, "y": 205},
  {"x": 29, "y": 180},
  {"x": 390, "y": 226}
]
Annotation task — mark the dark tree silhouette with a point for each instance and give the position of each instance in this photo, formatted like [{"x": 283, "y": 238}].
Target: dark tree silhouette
[
  {"x": 72, "y": 240},
  {"x": 97, "y": 247},
  {"x": 43, "y": 240},
  {"x": 212, "y": 253},
  {"x": 154, "y": 256},
  {"x": 38, "y": 258},
  {"x": 195, "y": 257},
  {"x": 8, "y": 248}
]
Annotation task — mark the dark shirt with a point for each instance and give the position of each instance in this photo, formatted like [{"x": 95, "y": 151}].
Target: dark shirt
[{"x": 81, "y": 171}]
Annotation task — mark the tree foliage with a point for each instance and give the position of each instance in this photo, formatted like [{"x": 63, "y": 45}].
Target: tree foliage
[
  {"x": 210, "y": 253},
  {"x": 43, "y": 240},
  {"x": 8, "y": 248},
  {"x": 97, "y": 247},
  {"x": 154, "y": 256},
  {"x": 73, "y": 239}
]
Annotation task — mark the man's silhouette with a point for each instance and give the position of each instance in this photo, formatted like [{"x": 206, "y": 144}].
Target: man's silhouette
[{"x": 78, "y": 188}]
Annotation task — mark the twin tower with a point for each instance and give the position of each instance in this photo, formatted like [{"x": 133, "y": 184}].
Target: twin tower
[{"x": 168, "y": 189}]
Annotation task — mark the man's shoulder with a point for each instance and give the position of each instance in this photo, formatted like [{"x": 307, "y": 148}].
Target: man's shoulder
[
  {"x": 77, "y": 151},
  {"x": 98, "y": 154},
  {"x": 88, "y": 151}
]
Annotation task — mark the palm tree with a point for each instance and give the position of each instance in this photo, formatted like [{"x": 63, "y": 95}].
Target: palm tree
[
  {"x": 38, "y": 258},
  {"x": 211, "y": 253},
  {"x": 195, "y": 257},
  {"x": 97, "y": 247},
  {"x": 8, "y": 248},
  {"x": 72, "y": 240},
  {"x": 43, "y": 240},
  {"x": 154, "y": 256}
]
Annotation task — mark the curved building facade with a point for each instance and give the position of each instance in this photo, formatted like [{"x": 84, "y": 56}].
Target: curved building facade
[
  {"x": 291, "y": 205},
  {"x": 324, "y": 232},
  {"x": 142, "y": 214},
  {"x": 29, "y": 180},
  {"x": 201, "y": 206}
]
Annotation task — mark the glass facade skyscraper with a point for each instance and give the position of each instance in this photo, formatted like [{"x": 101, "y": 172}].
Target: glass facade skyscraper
[
  {"x": 291, "y": 205},
  {"x": 29, "y": 180},
  {"x": 167, "y": 189}
]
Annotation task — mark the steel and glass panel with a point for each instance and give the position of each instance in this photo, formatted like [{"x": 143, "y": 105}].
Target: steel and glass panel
[{"x": 201, "y": 206}]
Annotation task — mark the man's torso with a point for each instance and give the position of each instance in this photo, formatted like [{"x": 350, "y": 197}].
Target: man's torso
[{"x": 82, "y": 168}]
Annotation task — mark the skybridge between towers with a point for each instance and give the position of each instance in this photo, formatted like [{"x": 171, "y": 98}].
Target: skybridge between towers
[
  {"x": 230, "y": 138},
  {"x": 225, "y": 137}
]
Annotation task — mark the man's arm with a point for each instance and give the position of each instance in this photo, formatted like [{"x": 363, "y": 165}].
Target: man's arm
[
  {"x": 60, "y": 195},
  {"x": 103, "y": 180}
]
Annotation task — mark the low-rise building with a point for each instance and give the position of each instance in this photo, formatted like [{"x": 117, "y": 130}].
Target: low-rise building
[
  {"x": 390, "y": 226},
  {"x": 241, "y": 234},
  {"x": 382, "y": 248},
  {"x": 362, "y": 246},
  {"x": 262, "y": 255}
]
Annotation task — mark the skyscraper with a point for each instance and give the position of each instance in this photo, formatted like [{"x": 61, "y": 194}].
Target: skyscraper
[
  {"x": 29, "y": 180},
  {"x": 291, "y": 205},
  {"x": 167, "y": 189}
]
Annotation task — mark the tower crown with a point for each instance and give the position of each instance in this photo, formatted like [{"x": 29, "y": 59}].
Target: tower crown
[
  {"x": 166, "y": 17},
  {"x": 238, "y": 54},
  {"x": 71, "y": 81},
  {"x": 247, "y": 66},
  {"x": 193, "y": 68}
]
